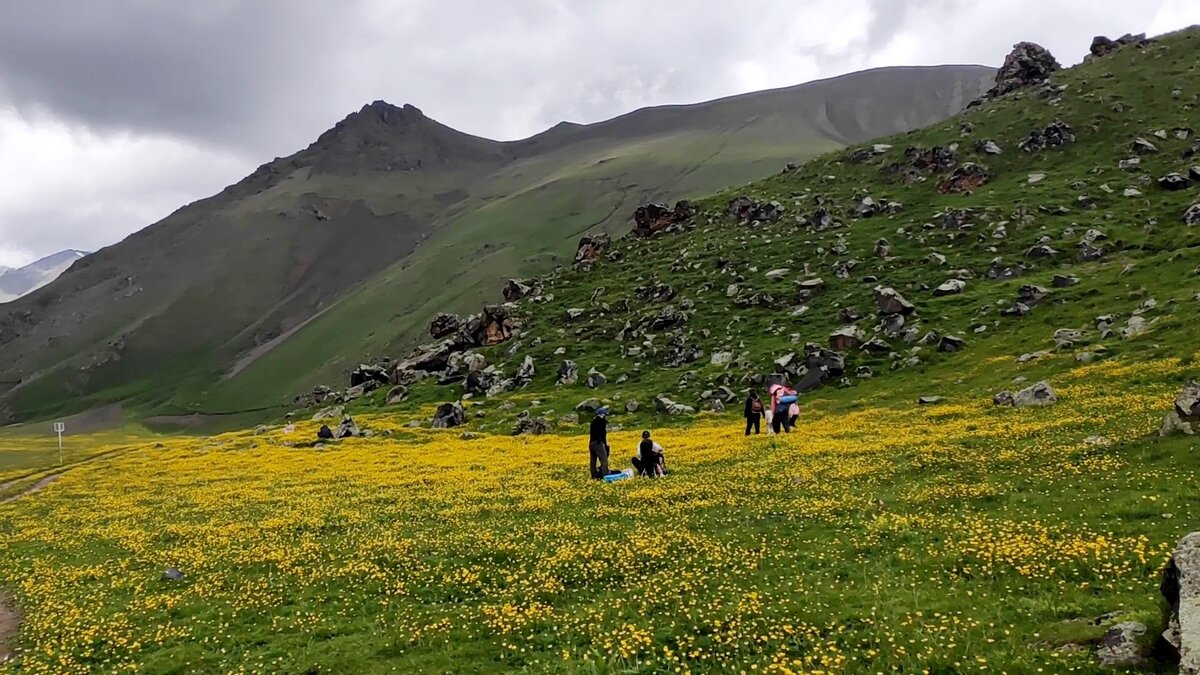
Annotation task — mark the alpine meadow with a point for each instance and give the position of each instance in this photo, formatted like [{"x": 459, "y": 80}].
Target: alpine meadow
[{"x": 349, "y": 431}]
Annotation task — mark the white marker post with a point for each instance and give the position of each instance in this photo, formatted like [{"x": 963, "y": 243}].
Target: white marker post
[{"x": 59, "y": 428}]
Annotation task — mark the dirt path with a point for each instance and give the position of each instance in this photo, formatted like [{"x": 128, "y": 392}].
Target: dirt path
[
  {"x": 36, "y": 487},
  {"x": 9, "y": 621}
]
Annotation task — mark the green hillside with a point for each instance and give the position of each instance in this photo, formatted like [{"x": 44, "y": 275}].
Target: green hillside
[
  {"x": 240, "y": 300},
  {"x": 1084, "y": 236}
]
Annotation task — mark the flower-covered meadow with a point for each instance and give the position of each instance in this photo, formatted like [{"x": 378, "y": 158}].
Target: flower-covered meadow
[{"x": 883, "y": 538}]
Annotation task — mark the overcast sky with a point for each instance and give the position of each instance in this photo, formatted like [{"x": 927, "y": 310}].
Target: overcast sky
[{"x": 113, "y": 113}]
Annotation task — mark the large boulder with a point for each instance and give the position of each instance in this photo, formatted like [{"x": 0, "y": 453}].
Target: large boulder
[
  {"x": 650, "y": 219},
  {"x": 365, "y": 373},
  {"x": 1027, "y": 64},
  {"x": 890, "y": 301},
  {"x": 444, "y": 324},
  {"x": 591, "y": 246},
  {"x": 1040, "y": 394},
  {"x": 1185, "y": 416},
  {"x": 449, "y": 415},
  {"x": 428, "y": 358},
  {"x": 665, "y": 405},
  {"x": 497, "y": 326},
  {"x": 347, "y": 429},
  {"x": 1181, "y": 589}
]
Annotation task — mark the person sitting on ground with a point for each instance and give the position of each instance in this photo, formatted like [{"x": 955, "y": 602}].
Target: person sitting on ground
[
  {"x": 753, "y": 413},
  {"x": 598, "y": 444},
  {"x": 649, "y": 461},
  {"x": 325, "y": 433}
]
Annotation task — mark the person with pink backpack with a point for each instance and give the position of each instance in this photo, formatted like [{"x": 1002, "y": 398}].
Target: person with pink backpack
[{"x": 784, "y": 407}]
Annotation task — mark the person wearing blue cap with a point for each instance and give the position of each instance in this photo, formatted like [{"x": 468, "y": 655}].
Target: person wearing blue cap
[{"x": 598, "y": 443}]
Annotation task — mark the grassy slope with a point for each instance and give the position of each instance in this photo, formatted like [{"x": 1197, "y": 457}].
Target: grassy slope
[
  {"x": 1151, "y": 254},
  {"x": 527, "y": 216}
]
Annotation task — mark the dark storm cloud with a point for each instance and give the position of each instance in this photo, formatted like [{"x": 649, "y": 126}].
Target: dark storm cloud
[{"x": 114, "y": 112}]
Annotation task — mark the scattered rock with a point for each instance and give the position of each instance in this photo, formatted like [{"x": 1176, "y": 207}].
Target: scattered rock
[
  {"x": 527, "y": 425},
  {"x": 988, "y": 147},
  {"x": 1174, "y": 181},
  {"x": 951, "y": 343},
  {"x": 846, "y": 338},
  {"x": 1142, "y": 146},
  {"x": 1003, "y": 398},
  {"x": 1040, "y": 394},
  {"x": 665, "y": 405},
  {"x": 588, "y": 405},
  {"x": 1192, "y": 215},
  {"x": 1036, "y": 178},
  {"x": 631, "y": 406},
  {"x": 525, "y": 373},
  {"x": 1064, "y": 281},
  {"x": 929, "y": 400},
  {"x": 883, "y": 248},
  {"x": 596, "y": 379},
  {"x": 397, "y": 394},
  {"x": 568, "y": 373},
  {"x": 890, "y": 301},
  {"x": 950, "y": 287}
]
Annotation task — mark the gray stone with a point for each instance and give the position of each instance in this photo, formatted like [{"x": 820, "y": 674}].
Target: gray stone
[
  {"x": 631, "y": 406},
  {"x": 1185, "y": 416},
  {"x": 1174, "y": 181},
  {"x": 449, "y": 415},
  {"x": 568, "y": 372},
  {"x": 397, "y": 394},
  {"x": 890, "y": 301},
  {"x": 1142, "y": 146},
  {"x": 172, "y": 574},
  {"x": 1181, "y": 589},
  {"x": 590, "y": 405},
  {"x": 721, "y": 358},
  {"x": 846, "y": 338},
  {"x": 1121, "y": 647},
  {"x": 525, "y": 373},
  {"x": 951, "y": 343},
  {"x": 1040, "y": 394},
  {"x": 663, "y": 404},
  {"x": 929, "y": 400},
  {"x": 596, "y": 379},
  {"x": 950, "y": 287},
  {"x": 1003, "y": 398},
  {"x": 1192, "y": 215},
  {"x": 1064, "y": 281}
]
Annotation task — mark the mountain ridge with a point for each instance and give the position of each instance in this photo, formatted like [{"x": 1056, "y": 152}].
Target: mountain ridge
[{"x": 20, "y": 281}]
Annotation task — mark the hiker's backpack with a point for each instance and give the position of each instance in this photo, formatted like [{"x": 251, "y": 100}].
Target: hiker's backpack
[{"x": 756, "y": 406}]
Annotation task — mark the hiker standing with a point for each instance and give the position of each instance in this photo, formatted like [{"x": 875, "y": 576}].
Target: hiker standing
[
  {"x": 753, "y": 413},
  {"x": 598, "y": 443}
]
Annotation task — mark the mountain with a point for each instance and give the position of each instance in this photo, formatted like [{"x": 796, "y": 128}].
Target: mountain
[
  {"x": 350, "y": 245},
  {"x": 1048, "y": 232},
  {"x": 20, "y": 281}
]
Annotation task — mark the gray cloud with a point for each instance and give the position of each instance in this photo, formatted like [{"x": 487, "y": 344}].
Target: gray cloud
[{"x": 203, "y": 92}]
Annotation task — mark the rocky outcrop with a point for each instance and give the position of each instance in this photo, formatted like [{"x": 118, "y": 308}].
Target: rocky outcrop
[
  {"x": 528, "y": 425},
  {"x": 650, "y": 219},
  {"x": 1181, "y": 590},
  {"x": 1027, "y": 64},
  {"x": 846, "y": 338},
  {"x": 1185, "y": 416},
  {"x": 369, "y": 373},
  {"x": 444, "y": 324},
  {"x": 1103, "y": 46},
  {"x": 568, "y": 373},
  {"x": 525, "y": 373}
]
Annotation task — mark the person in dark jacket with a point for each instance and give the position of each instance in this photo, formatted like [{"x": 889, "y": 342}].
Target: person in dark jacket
[
  {"x": 598, "y": 444},
  {"x": 753, "y": 413},
  {"x": 650, "y": 460}
]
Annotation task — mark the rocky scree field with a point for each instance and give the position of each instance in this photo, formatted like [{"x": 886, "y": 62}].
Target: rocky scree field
[{"x": 990, "y": 344}]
